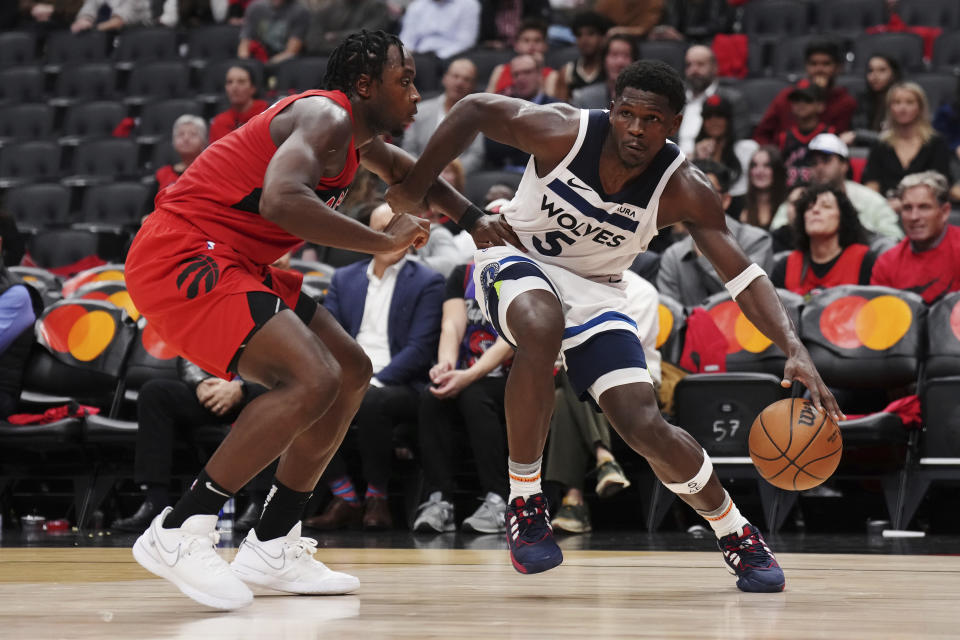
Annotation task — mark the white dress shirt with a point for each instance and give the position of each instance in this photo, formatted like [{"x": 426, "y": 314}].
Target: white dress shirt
[
  {"x": 372, "y": 336},
  {"x": 692, "y": 118}
]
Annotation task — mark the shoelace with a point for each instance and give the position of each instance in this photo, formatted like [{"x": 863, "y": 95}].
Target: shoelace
[
  {"x": 304, "y": 545},
  {"x": 752, "y": 552},
  {"x": 205, "y": 548},
  {"x": 532, "y": 523}
]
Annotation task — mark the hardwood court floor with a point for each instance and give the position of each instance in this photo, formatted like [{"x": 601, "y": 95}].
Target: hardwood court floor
[{"x": 457, "y": 593}]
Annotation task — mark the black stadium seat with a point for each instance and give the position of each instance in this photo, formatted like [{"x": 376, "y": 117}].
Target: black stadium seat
[
  {"x": 116, "y": 203},
  {"x": 145, "y": 44},
  {"x": 103, "y": 160},
  {"x": 946, "y": 52},
  {"x": 670, "y": 51},
  {"x": 157, "y": 118},
  {"x": 851, "y": 17},
  {"x": 300, "y": 74},
  {"x": 38, "y": 205},
  {"x": 93, "y": 119},
  {"x": 29, "y": 162},
  {"x": 65, "y": 48},
  {"x": 88, "y": 81},
  {"x": 27, "y": 121},
  {"x": 17, "y": 48},
  {"x": 158, "y": 81},
  {"x": 930, "y": 13},
  {"x": 905, "y": 48},
  {"x": 21, "y": 84},
  {"x": 939, "y": 87},
  {"x": 213, "y": 42}
]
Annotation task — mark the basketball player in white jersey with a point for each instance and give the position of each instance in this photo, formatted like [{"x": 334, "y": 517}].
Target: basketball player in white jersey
[{"x": 598, "y": 186}]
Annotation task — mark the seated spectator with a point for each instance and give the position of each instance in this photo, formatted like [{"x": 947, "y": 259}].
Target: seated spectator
[
  {"x": 466, "y": 394},
  {"x": 333, "y": 20},
  {"x": 459, "y": 81},
  {"x": 441, "y": 27},
  {"x": 20, "y": 306},
  {"x": 766, "y": 187},
  {"x": 700, "y": 70},
  {"x": 947, "y": 124},
  {"x": 831, "y": 244},
  {"x": 908, "y": 143},
  {"x": 168, "y": 408},
  {"x": 823, "y": 64},
  {"x": 618, "y": 53},
  {"x": 716, "y": 141},
  {"x": 828, "y": 159},
  {"x": 189, "y": 139},
  {"x": 580, "y": 435},
  {"x": 500, "y": 20},
  {"x": 531, "y": 41},
  {"x": 241, "y": 90},
  {"x": 112, "y": 15},
  {"x": 273, "y": 30},
  {"x": 685, "y": 274},
  {"x": 927, "y": 260},
  {"x": 807, "y": 105},
  {"x": 882, "y": 73},
  {"x": 527, "y": 85},
  {"x": 49, "y": 14},
  {"x": 589, "y": 28},
  {"x": 391, "y": 306}
]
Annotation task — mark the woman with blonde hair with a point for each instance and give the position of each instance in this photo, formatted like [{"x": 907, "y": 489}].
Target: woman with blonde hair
[{"x": 908, "y": 143}]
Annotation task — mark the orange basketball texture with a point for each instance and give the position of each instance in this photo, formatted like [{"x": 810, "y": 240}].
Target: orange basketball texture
[{"x": 793, "y": 446}]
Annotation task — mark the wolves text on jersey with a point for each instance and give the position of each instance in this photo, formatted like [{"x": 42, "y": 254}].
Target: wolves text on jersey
[{"x": 552, "y": 242}]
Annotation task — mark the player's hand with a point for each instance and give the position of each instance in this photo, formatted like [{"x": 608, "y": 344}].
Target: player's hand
[
  {"x": 402, "y": 200},
  {"x": 490, "y": 231},
  {"x": 799, "y": 368},
  {"x": 406, "y": 230},
  {"x": 451, "y": 383}
]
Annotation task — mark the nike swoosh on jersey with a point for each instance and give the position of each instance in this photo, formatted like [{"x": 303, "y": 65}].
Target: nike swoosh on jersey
[
  {"x": 269, "y": 559},
  {"x": 576, "y": 185}
]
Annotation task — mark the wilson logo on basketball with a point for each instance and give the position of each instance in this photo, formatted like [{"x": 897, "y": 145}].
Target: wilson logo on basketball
[
  {"x": 807, "y": 415},
  {"x": 200, "y": 270}
]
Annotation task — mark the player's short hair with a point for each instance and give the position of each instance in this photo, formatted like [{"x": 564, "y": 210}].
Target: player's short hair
[
  {"x": 189, "y": 118},
  {"x": 360, "y": 53},
  {"x": 656, "y": 77}
]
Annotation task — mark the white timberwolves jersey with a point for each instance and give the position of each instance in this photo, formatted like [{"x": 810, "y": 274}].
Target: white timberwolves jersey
[{"x": 567, "y": 219}]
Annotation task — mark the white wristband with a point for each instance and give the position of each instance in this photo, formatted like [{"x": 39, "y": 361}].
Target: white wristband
[{"x": 742, "y": 281}]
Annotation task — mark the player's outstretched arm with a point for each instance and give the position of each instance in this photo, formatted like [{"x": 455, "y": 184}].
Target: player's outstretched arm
[
  {"x": 698, "y": 206},
  {"x": 544, "y": 131},
  {"x": 313, "y": 139}
]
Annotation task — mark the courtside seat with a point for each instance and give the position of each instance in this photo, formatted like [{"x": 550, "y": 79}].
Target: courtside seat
[
  {"x": 671, "y": 317},
  {"x": 864, "y": 337},
  {"x": 48, "y": 284},
  {"x": 939, "y": 447}
]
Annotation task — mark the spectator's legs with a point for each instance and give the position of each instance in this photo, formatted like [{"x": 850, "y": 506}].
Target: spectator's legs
[
  {"x": 481, "y": 405},
  {"x": 437, "y": 421}
]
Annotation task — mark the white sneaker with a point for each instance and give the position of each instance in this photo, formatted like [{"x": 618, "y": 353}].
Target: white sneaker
[
  {"x": 186, "y": 556},
  {"x": 489, "y": 516},
  {"x": 435, "y": 515},
  {"x": 287, "y": 564}
]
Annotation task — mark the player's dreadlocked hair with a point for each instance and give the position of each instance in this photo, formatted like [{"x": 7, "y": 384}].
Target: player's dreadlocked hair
[
  {"x": 656, "y": 77},
  {"x": 360, "y": 53}
]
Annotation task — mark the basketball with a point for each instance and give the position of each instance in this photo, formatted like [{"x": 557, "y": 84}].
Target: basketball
[{"x": 793, "y": 446}]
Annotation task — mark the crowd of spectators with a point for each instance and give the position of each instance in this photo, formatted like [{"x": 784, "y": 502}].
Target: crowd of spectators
[{"x": 822, "y": 187}]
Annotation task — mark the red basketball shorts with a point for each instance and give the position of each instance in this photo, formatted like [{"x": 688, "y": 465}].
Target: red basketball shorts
[{"x": 202, "y": 297}]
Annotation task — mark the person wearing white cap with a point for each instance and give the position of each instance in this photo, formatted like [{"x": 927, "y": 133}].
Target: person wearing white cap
[{"x": 829, "y": 159}]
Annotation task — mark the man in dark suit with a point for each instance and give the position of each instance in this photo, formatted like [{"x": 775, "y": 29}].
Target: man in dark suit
[{"x": 392, "y": 307}]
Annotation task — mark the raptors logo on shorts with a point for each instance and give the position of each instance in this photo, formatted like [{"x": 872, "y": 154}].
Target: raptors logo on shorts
[{"x": 198, "y": 270}]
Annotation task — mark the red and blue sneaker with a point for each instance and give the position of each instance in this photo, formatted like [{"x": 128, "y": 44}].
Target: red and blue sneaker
[
  {"x": 749, "y": 558},
  {"x": 530, "y": 536}
]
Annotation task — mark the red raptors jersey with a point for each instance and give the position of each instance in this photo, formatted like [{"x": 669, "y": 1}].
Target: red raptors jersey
[{"x": 220, "y": 192}]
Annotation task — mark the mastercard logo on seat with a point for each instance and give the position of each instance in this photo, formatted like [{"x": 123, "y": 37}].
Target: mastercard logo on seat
[
  {"x": 83, "y": 331},
  {"x": 114, "y": 292},
  {"x": 106, "y": 273},
  {"x": 741, "y": 334},
  {"x": 666, "y": 324},
  {"x": 879, "y": 323}
]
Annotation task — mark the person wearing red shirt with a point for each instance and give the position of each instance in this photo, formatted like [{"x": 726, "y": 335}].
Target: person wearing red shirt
[
  {"x": 822, "y": 66},
  {"x": 241, "y": 89},
  {"x": 189, "y": 140},
  {"x": 927, "y": 261},
  {"x": 199, "y": 272}
]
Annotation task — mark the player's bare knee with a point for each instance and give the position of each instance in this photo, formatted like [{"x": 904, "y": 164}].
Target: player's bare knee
[
  {"x": 537, "y": 326},
  {"x": 316, "y": 388},
  {"x": 647, "y": 431}
]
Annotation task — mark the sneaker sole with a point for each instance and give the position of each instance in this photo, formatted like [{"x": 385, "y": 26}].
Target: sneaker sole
[
  {"x": 608, "y": 489},
  {"x": 148, "y": 562},
  {"x": 335, "y": 588},
  {"x": 755, "y": 586},
  {"x": 570, "y": 526},
  {"x": 536, "y": 567}
]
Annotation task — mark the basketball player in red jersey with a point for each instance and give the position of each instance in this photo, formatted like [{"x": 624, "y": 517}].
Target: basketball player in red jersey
[{"x": 198, "y": 271}]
